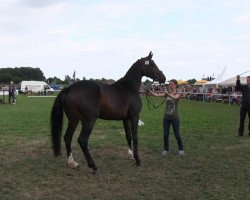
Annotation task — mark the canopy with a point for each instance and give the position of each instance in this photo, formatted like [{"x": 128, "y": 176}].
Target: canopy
[
  {"x": 222, "y": 76},
  {"x": 200, "y": 82},
  {"x": 232, "y": 81},
  {"x": 182, "y": 82}
]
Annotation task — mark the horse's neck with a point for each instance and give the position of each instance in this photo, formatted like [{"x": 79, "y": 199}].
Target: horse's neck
[
  {"x": 133, "y": 76},
  {"x": 136, "y": 82}
]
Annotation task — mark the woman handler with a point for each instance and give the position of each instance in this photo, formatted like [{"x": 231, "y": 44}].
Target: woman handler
[{"x": 171, "y": 116}]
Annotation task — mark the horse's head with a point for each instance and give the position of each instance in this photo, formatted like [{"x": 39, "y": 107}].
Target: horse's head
[{"x": 151, "y": 70}]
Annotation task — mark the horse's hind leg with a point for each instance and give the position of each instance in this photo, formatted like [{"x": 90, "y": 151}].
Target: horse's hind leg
[
  {"x": 127, "y": 128},
  {"x": 67, "y": 139},
  {"x": 87, "y": 127}
]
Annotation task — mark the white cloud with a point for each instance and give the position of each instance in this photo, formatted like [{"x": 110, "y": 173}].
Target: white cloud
[
  {"x": 40, "y": 3},
  {"x": 245, "y": 18}
]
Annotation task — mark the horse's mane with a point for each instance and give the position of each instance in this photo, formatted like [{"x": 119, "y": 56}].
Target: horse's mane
[{"x": 133, "y": 70}]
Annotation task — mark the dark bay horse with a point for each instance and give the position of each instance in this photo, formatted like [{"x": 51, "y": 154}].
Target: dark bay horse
[{"x": 86, "y": 101}]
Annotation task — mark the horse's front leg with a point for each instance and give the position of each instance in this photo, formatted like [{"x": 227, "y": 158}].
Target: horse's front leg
[
  {"x": 134, "y": 126},
  {"x": 83, "y": 139}
]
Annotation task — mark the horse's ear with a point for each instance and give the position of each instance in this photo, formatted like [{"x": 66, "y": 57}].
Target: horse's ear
[{"x": 150, "y": 55}]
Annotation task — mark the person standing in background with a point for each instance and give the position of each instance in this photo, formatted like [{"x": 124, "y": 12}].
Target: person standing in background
[
  {"x": 245, "y": 106},
  {"x": 12, "y": 93}
]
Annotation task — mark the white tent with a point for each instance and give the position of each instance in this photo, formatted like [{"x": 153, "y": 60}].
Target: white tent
[
  {"x": 221, "y": 77},
  {"x": 232, "y": 81}
]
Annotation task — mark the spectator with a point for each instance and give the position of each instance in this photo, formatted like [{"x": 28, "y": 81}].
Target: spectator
[
  {"x": 245, "y": 105},
  {"x": 12, "y": 90},
  {"x": 235, "y": 98}
]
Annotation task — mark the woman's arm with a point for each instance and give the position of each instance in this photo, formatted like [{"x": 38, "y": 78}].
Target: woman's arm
[
  {"x": 156, "y": 94},
  {"x": 175, "y": 96}
]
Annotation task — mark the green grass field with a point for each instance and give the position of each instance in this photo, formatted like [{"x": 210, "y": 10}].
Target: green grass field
[{"x": 216, "y": 164}]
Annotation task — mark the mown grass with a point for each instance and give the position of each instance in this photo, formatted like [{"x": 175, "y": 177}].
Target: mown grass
[{"x": 215, "y": 166}]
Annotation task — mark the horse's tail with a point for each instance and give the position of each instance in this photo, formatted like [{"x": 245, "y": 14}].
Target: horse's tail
[{"x": 56, "y": 123}]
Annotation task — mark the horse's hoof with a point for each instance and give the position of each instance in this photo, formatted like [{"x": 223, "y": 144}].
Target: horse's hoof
[
  {"x": 94, "y": 171},
  {"x": 131, "y": 157},
  {"x": 73, "y": 165},
  {"x": 138, "y": 164}
]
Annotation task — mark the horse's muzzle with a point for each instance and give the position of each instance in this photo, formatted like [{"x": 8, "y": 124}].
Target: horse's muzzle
[{"x": 161, "y": 78}]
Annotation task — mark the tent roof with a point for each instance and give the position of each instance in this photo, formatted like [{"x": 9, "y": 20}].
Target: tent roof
[
  {"x": 222, "y": 76},
  {"x": 232, "y": 81},
  {"x": 182, "y": 82},
  {"x": 200, "y": 82}
]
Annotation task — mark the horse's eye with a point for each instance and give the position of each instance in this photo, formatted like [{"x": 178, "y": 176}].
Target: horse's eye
[{"x": 146, "y": 62}]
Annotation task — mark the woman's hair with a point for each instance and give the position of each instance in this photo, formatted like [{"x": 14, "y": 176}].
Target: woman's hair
[{"x": 175, "y": 82}]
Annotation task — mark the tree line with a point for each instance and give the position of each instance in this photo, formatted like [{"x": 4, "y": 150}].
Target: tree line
[{"x": 19, "y": 74}]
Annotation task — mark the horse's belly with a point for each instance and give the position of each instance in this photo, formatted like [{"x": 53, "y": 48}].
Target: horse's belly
[{"x": 117, "y": 114}]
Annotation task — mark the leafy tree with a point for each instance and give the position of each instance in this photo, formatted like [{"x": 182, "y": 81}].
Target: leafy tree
[
  {"x": 67, "y": 79},
  {"x": 50, "y": 80},
  {"x": 191, "y": 81},
  {"x": 19, "y": 74},
  {"x": 5, "y": 77},
  {"x": 147, "y": 82},
  {"x": 17, "y": 79},
  {"x": 54, "y": 80}
]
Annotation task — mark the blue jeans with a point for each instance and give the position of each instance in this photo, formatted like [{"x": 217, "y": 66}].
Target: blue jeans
[{"x": 176, "y": 127}]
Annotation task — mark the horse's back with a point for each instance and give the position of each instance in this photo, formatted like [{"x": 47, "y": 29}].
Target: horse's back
[
  {"x": 82, "y": 99},
  {"x": 82, "y": 89}
]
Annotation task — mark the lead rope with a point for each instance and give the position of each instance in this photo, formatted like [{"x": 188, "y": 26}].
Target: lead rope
[{"x": 151, "y": 103}]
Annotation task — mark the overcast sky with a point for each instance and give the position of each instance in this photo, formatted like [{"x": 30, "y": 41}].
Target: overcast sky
[{"x": 189, "y": 38}]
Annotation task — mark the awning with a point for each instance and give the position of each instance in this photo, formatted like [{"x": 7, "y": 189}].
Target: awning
[{"x": 182, "y": 82}]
